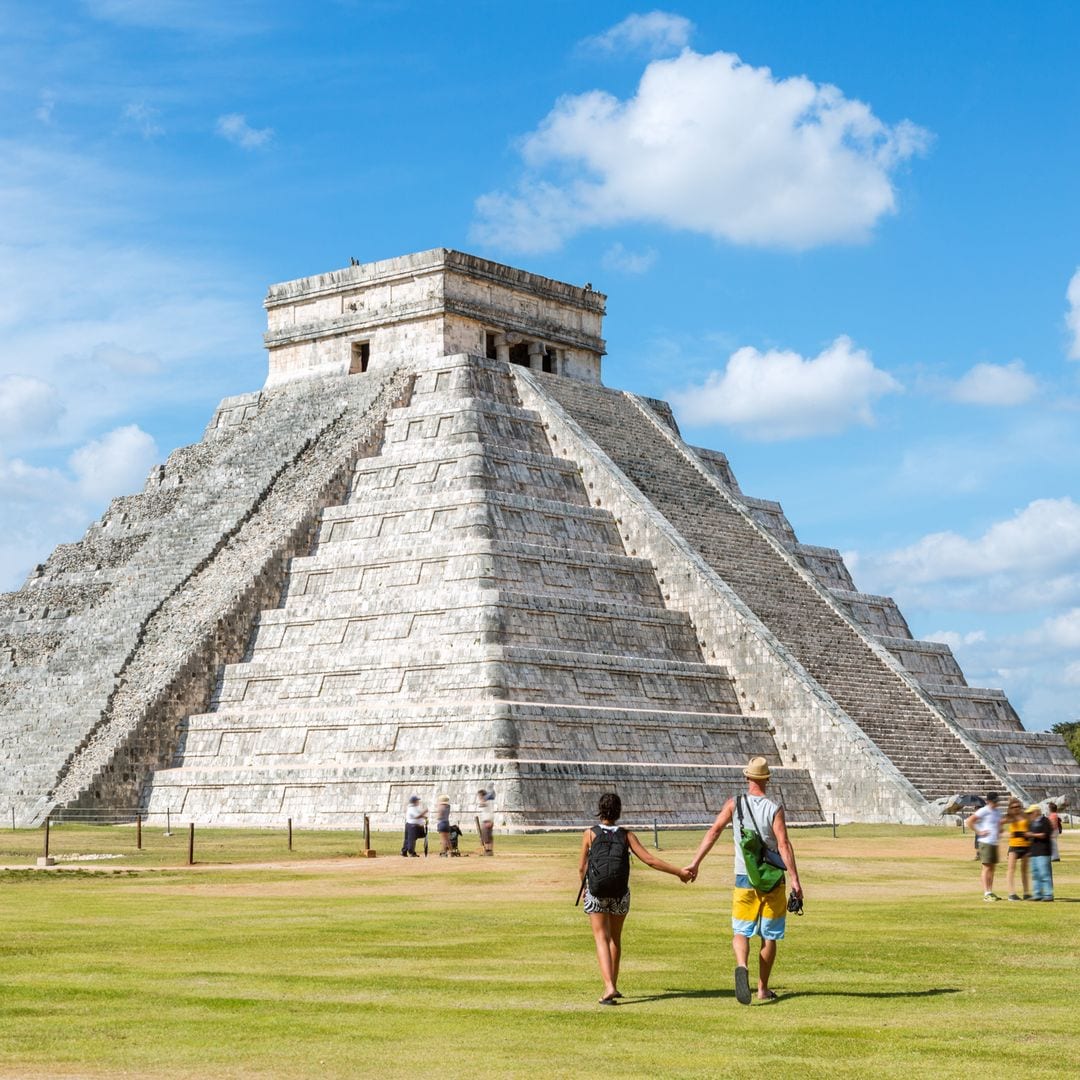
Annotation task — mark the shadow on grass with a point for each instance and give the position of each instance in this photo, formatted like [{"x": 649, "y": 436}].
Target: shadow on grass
[
  {"x": 933, "y": 992},
  {"x": 670, "y": 994}
]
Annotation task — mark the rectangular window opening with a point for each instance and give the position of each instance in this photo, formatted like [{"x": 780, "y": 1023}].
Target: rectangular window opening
[
  {"x": 491, "y": 350},
  {"x": 361, "y": 353}
]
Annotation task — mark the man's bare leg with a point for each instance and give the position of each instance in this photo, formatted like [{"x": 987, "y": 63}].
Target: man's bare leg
[
  {"x": 741, "y": 948},
  {"x": 765, "y": 962}
]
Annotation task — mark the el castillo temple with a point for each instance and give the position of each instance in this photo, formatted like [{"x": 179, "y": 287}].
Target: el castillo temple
[{"x": 435, "y": 552}]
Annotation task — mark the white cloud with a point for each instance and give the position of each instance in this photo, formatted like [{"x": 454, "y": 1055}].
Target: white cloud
[
  {"x": 125, "y": 361},
  {"x": 1062, "y": 631},
  {"x": 235, "y": 128},
  {"x": 143, "y": 118},
  {"x": 957, "y": 640},
  {"x": 1043, "y": 535},
  {"x": 995, "y": 384},
  {"x": 1071, "y": 676},
  {"x": 115, "y": 464},
  {"x": 782, "y": 395},
  {"x": 658, "y": 33},
  {"x": 28, "y": 407},
  {"x": 1072, "y": 316},
  {"x": 621, "y": 260},
  {"x": 708, "y": 144}
]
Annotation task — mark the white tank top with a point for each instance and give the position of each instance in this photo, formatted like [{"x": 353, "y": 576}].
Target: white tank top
[{"x": 764, "y": 811}]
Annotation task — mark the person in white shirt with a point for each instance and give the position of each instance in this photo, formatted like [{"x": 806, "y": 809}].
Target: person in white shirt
[
  {"x": 986, "y": 821},
  {"x": 415, "y": 819},
  {"x": 487, "y": 821}
]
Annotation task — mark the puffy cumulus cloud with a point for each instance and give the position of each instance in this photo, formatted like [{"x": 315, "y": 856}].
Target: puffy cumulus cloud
[
  {"x": 1062, "y": 631},
  {"x": 995, "y": 384},
  {"x": 1027, "y": 561},
  {"x": 782, "y": 395},
  {"x": 118, "y": 462},
  {"x": 711, "y": 145},
  {"x": 657, "y": 33},
  {"x": 28, "y": 407},
  {"x": 1072, "y": 316},
  {"x": 235, "y": 128},
  {"x": 21, "y": 482},
  {"x": 621, "y": 260}
]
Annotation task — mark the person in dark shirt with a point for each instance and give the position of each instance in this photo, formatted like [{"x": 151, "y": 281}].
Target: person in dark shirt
[{"x": 1040, "y": 833}]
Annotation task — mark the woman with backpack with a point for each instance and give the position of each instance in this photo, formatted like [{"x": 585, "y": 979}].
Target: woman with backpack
[{"x": 605, "y": 880}]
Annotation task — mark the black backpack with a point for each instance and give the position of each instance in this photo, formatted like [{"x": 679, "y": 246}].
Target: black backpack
[{"x": 608, "y": 872}]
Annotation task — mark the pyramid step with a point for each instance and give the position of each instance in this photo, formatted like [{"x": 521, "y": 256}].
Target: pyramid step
[
  {"x": 370, "y": 565},
  {"x": 472, "y": 513}
]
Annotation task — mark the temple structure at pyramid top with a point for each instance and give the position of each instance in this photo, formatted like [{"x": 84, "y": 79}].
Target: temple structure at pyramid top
[
  {"x": 435, "y": 554},
  {"x": 377, "y": 316}
]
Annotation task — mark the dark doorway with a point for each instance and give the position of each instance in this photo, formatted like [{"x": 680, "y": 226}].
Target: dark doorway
[{"x": 361, "y": 353}]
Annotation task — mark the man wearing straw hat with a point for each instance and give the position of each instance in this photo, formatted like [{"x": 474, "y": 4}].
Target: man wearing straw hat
[{"x": 754, "y": 912}]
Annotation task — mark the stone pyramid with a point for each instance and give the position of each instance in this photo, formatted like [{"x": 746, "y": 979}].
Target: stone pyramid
[{"x": 435, "y": 554}]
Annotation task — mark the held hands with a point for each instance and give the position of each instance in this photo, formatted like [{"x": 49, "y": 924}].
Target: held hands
[{"x": 688, "y": 874}]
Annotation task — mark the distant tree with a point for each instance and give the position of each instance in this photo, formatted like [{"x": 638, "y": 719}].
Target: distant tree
[{"x": 1069, "y": 730}]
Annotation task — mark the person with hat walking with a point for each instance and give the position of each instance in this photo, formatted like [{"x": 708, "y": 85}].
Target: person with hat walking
[{"x": 754, "y": 912}]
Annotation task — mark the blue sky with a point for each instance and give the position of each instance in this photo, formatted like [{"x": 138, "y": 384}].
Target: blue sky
[{"x": 842, "y": 238}]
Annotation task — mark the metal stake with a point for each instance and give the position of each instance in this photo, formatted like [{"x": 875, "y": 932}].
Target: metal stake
[
  {"x": 168, "y": 822},
  {"x": 46, "y": 838},
  {"x": 138, "y": 832},
  {"x": 655, "y": 835},
  {"x": 290, "y": 834},
  {"x": 191, "y": 844},
  {"x": 834, "y": 824}
]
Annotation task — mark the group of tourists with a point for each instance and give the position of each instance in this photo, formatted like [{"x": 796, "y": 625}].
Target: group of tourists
[
  {"x": 416, "y": 825},
  {"x": 1031, "y": 846},
  {"x": 763, "y": 856}
]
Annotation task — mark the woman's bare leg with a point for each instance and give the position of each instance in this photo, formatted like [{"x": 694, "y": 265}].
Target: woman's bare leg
[
  {"x": 601, "y": 928},
  {"x": 615, "y": 925},
  {"x": 1010, "y": 874}
]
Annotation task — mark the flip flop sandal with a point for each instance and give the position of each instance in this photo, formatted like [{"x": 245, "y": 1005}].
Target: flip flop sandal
[
  {"x": 610, "y": 1000},
  {"x": 742, "y": 986},
  {"x": 770, "y": 995}
]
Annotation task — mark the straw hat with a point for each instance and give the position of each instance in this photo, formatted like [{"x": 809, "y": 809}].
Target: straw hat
[
  {"x": 443, "y": 799},
  {"x": 1034, "y": 808},
  {"x": 757, "y": 769}
]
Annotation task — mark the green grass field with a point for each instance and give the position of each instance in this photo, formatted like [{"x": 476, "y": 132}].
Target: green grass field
[{"x": 262, "y": 962}]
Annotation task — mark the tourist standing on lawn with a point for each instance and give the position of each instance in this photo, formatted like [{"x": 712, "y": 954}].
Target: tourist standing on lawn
[
  {"x": 1016, "y": 826},
  {"x": 442, "y": 824},
  {"x": 1055, "y": 821},
  {"x": 486, "y": 817},
  {"x": 1040, "y": 833},
  {"x": 986, "y": 824},
  {"x": 605, "y": 879},
  {"x": 415, "y": 826},
  {"x": 754, "y": 912}
]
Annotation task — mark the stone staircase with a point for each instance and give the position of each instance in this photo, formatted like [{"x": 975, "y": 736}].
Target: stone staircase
[
  {"x": 735, "y": 541},
  {"x": 466, "y": 616}
]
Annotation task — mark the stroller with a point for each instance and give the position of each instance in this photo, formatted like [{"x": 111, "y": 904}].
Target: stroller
[{"x": 455, "y": 836}]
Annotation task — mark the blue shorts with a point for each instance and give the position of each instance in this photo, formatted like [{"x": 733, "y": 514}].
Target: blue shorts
[{"x": 753, "y": 912}]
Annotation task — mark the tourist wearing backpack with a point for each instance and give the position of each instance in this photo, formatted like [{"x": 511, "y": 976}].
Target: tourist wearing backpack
[
  {"x": 605, "y": 878},
  {"x": 756, "y": 910}
]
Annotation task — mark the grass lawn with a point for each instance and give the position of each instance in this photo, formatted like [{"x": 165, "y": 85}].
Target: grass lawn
[{"x": 262, "y": 962}]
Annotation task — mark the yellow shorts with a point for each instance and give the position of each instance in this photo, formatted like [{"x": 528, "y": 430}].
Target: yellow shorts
[{"x": 764, "y": 914}]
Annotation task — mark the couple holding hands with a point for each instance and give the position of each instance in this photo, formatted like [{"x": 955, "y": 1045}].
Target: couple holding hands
[{"x": 605, "y": 871}]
